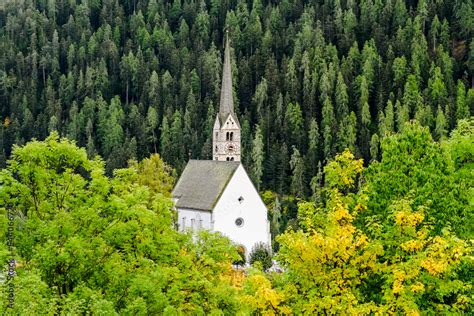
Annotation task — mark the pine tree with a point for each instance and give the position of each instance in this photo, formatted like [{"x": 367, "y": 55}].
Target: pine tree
[
  {"x": 365, "y": 117},
  {"x": 294, "y": 124},
  {"x": 434, "y": 33},
  {"x": 297, "y": 178},
  {"x": 341, "y": 97},
  {"x": 440, "y": 125},
  {"x": 129, "y": 72},
  {"x": 462, "y": 108},
  {"x": 166, "y": 141},
  {"x": 389, "y": 118},
  {"x": 328, "y": 127},
  {"x": 206, "y": 135},
  {"x": 152, "y": 124},
  {"x": 260, "y": 97},
  {"x": 438, "y": 91},
  {"x": 411, "y": 97},
  {"x": 399, "y": 69},
  {"x": 313, "y": 154},
  {"x": 257, "y": 158},
  {"x": 347, "y": 135},
  {"x": 308, "y": 95},
  {"x": 189, "y": 136},
  {"x": 316, "y": 185},
  {"x": 276, "y": 217},
  {"x": 178, "y": 155},
  {"x": 403, "y": 115},
  {"x": 283, "y": 166},
  {"x": 374, "y": 147},
  {"x": 110, "y": 126}
]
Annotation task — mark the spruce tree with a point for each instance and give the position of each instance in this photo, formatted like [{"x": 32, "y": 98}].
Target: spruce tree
[{"x": 257, "y": 158}]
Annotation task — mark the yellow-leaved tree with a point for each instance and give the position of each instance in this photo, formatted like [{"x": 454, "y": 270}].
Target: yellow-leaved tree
[
  {"x": 332, "y": 266},
  {"x": 328, "y": 258}
]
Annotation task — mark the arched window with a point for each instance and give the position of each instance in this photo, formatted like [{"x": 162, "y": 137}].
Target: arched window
[
  {"x": 231, "y": 135},
  {"x": 216, "y": 148},
  {"x": 227, "y": 136},
  {"x": 227, "y": 159},
  {"x": 231, "y": 158}
]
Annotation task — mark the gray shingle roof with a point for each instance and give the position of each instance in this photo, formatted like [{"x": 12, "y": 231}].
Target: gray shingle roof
[
  {"x": 202, "y": 183},
  {"x": 227, "y": 99}
]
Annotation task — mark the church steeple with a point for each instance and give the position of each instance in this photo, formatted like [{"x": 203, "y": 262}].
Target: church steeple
[
  {"x": 227, "y": 98},
  {"x": 226, "y": 133}
]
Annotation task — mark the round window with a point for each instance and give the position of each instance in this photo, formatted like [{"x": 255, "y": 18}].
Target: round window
[{"x": 239, "y": 222}]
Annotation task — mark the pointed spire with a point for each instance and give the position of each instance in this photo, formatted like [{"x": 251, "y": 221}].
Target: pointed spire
[{"x": 227, "y": 98}]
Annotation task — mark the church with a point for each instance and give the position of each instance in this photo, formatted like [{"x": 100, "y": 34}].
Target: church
[{"x": 218, "y": 194}]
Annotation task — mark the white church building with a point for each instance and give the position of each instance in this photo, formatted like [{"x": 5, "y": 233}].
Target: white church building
[{"x": 218, "y": 194}]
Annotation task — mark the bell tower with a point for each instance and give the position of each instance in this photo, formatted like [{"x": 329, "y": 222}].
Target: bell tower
[{"x": 226, "y": 132}]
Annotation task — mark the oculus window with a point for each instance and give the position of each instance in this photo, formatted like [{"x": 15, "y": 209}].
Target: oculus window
[{"x": 239, "y": 222}]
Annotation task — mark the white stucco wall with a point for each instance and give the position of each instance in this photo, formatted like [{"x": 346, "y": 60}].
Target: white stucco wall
[
  {"x": 256, "y": 227},
  {"x": 202, "y": 219}
]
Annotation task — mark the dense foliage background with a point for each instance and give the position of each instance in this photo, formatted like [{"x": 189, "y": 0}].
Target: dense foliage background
[
  {"x": 356, "y": 127},
  {"x": 128, "y": 78}
]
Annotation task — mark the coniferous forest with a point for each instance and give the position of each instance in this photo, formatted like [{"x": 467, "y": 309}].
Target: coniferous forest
[{"x": 357, "y": 129}]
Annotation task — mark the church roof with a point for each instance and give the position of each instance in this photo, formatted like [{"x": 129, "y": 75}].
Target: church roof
[
  {"x": 226, "y": 104},
  {"x": 202, "y": 183}
]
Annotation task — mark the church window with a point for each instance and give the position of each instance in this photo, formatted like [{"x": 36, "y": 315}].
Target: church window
[
  {"x": 240, "y": 199},
  {"x": 231, "y": 158},
  {"x": 228, "y": 159},
  {"x": 231, "y": 135},
  {"x": 227, "y": 136},
  {"x": 199, "y": 221},
  {"x": 216, "y": 148},
  {"x": 239, "y": 222},
  {"x": 217, "y": 134}
]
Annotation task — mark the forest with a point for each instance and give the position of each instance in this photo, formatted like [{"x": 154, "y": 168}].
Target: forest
[
  {"x": 357, "y": 129},
  {"x": 311, "y": 78}
]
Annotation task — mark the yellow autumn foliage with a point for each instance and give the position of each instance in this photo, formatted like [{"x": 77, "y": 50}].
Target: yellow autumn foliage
[
  {"x": 342, "y": 171},
  {"x": 412, "y": 245},
  {"x": 406, "y": 218},
  {"x": 330, "y": 264},
  {"x": 261, "y": 297},
  {"x": 417, "y": 287}
]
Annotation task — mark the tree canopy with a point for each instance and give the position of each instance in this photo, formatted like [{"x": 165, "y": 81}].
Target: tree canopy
[{"x": 88, "y": 243}]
